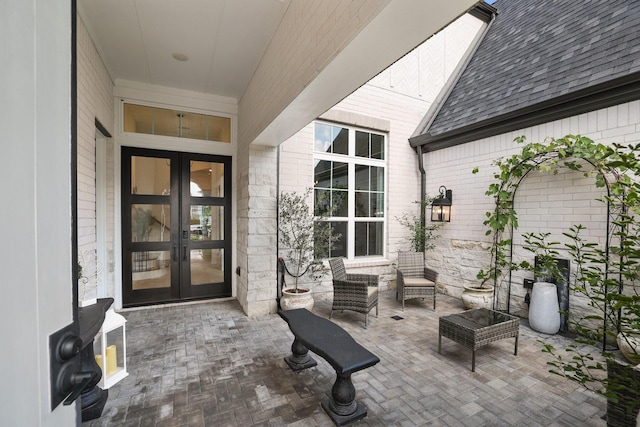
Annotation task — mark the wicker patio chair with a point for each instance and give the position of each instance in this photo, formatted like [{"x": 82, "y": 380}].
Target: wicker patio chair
[
  {"x": 414, "y": 280},
  {"x": 355, "y": 292}
]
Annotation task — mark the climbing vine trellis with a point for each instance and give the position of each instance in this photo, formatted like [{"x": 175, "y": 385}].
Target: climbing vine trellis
[
  {"x": 503, "y": 220},
  {"x": 601, "y": 274}
]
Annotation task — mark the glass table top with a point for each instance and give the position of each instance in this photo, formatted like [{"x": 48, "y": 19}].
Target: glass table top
[{"x": 479, "y": 318}]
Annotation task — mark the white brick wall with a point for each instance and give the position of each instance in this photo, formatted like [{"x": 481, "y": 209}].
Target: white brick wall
[
  {"x": 95, "y": 101},
  {"x": 545, "y": 202},
  {"x": 320, "y": 29},
  {"x": 393, "y": 102}
]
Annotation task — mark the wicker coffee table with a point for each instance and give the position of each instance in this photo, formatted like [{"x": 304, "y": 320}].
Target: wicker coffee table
[{"x": 479, "y": 327}]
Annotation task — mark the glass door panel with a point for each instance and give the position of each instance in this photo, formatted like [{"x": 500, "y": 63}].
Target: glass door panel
[
  {"x": 206, "y": 179},
  {"x": 150, "y": 175},
  {"x": 207, "y": 266},
  {"x": 207, "y": 222},
  {"x": 205, "y": 215},
  {"x": 149, "y": 223},
  {"x": 150, "y": 270}
]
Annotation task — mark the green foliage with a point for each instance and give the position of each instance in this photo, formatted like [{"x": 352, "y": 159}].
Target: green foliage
[
  {"x": 608, "y": 280},
  {"x": 546, "y": 269},
  {"x": 503, "y": 218},
  {"x": 304, "y": 238},
  {"x": 421, "y": 235}
]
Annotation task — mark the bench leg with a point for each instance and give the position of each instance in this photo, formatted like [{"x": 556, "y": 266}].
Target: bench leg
[
  {"x": 343, "y": 408},
  {"x": 299, "y": 358}
]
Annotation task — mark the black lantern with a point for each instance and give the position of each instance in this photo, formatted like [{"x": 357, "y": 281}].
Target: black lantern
[{"x": 441, "y": 206}]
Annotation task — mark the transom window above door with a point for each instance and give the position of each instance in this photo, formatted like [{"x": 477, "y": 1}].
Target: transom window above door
[
  {"x": 176, "y": 123},
  {"x": 349, "y": 187}
]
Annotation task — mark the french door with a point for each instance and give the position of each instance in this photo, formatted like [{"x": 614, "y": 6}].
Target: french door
[{"x": 176, "y": 226}]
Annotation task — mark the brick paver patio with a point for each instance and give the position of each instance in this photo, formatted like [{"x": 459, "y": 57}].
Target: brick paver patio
[{"x": 207, "y": 364}]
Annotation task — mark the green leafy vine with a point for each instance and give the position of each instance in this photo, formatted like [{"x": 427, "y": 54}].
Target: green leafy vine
[{"x": 600, "y": 274}]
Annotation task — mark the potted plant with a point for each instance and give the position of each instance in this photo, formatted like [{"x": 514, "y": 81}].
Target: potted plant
[
  {"x": 480, "y": 295},
  {"x": 544, "y": 305},
  {"x": 304, "y": 240}
]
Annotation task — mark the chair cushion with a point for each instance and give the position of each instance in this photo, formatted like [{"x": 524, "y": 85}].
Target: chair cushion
[
  {"x": 417, "y": 281},
  {"x": 371, "y": 290}
]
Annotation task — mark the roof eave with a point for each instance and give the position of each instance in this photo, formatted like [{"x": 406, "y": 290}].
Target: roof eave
[
  {"x": 483, "y": 11},
  {"x": 617, "y": 91}
]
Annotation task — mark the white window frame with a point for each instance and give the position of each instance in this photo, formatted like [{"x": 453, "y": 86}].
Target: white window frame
[{"x": 352, "y": 160}]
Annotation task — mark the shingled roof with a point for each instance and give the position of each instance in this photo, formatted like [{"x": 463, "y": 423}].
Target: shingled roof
[{"x": 540, "y": 61}]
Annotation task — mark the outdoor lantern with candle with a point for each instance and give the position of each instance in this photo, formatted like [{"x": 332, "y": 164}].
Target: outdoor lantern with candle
[
  {"x": 111, "y": 349},
  {"x": 441, "y": 206}
]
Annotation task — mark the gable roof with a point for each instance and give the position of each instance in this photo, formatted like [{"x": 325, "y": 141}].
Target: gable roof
[{"x": 540, "y": 61}]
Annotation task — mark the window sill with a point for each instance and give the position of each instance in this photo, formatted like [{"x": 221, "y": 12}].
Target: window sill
[{"x": 368, "y": 262}]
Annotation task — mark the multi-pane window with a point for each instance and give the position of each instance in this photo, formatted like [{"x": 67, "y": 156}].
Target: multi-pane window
[{"x": 349, "y": 174}]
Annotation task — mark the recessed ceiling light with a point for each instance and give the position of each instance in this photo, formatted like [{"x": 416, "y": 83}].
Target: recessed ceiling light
[{"x": 180, "y": 56}]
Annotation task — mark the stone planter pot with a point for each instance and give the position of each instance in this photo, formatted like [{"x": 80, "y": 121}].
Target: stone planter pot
[
  {"x": 291, "y": 299},
  {"x": 544, "y": 310},
  {"x": 629, "y": 345},
  {"x": 477, "y": 297}
]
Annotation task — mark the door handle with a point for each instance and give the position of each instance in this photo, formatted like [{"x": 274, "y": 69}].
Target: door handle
[
  {"x": 175, "y": 253},
  {"x": 184, "y": 253}
]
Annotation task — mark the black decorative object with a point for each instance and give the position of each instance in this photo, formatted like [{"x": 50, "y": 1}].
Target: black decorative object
[
  {"x": 441, "y": 206},
  {"x": 93, "y": 398},
  {"x": 340, "y": 350}
]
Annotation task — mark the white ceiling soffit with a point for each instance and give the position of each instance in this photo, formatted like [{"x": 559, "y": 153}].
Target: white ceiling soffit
[
  {"x": 401, "y": 26},
  {"x": 223, "y": 40}
]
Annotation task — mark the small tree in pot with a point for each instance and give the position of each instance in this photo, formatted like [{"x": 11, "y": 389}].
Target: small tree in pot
[{"x": 304, "y": 239}]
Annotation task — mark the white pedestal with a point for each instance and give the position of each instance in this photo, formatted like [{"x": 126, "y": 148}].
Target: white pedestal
[{"x": 544, "y": 311}]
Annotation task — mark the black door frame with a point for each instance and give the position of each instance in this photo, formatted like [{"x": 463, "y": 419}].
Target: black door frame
[{"x": 179, "y": 246}]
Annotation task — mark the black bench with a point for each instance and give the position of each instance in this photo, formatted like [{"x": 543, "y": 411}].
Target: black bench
[{"x": 339, "y": 349}]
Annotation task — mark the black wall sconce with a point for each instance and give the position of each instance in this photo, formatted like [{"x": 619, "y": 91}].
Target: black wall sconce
[{"x": 441, "y": 206}]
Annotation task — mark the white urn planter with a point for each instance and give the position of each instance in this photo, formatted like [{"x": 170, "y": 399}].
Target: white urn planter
[
  {"x": 300, "y": 298},
  {"x": 544, "y": 310},
  {"x": 475, "y": 296},
  {"x": 629, "y": 345}
]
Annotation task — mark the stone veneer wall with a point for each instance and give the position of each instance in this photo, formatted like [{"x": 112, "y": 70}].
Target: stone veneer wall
[{"x": 256, "y": 285}]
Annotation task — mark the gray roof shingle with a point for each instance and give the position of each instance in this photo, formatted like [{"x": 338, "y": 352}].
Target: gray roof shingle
[{"x": 537, "y": 50}]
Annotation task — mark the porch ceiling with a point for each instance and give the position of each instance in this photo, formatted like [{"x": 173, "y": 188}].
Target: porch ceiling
[
  {"x": 227, "y": 44},
  {"x": 223, "y": 40}
]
